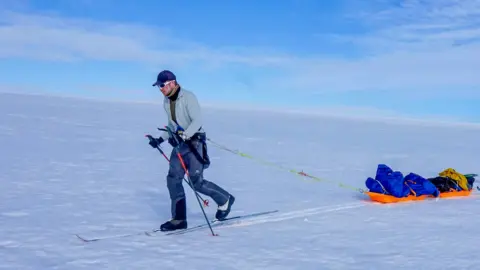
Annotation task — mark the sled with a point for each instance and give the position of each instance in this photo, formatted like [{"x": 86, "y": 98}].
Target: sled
[
  {"x": 383, "y": 198},
  {"x": 459, "y": 193}
]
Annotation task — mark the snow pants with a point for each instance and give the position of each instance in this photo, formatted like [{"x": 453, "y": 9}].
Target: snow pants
[{"x": 195, "y": 169}]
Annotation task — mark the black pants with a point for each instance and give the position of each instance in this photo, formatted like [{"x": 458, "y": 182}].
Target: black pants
[{"x": 195, "y": 169}]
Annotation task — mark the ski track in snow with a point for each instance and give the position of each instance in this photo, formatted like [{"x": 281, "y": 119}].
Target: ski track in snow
[{"x": 81, "y": 166}]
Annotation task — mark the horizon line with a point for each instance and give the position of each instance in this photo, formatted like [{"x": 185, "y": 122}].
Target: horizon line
[{"x": 329, "y": 112}]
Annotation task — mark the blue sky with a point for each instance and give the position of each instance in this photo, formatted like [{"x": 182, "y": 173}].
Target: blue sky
[{"x": 377, "y": 57}]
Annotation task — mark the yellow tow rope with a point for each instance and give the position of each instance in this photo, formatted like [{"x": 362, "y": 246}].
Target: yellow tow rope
[{"x": 298, "y": 173}]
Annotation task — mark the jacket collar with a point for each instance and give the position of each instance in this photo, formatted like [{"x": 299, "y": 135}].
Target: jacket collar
[{"x": 178, "y": 94}]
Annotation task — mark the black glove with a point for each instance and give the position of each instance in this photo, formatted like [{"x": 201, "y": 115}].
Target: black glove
[{"x": 155, "y": 142}]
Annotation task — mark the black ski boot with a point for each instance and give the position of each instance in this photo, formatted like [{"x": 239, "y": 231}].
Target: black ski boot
[
  {"x": 173, "y": 225},
  {"x": 224, "y": 210},
  {"x": 180, "y": 220}
]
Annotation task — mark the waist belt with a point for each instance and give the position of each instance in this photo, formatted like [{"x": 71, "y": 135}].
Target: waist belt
[{"x": 202, "y": 138}]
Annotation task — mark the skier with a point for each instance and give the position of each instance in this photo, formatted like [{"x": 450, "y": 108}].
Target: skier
[{"x": 185, "y": 118}]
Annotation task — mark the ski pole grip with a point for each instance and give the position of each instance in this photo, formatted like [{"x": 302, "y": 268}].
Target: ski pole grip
[
  {"x": 150, "y": 138},
  {"x": 172, "y": 135}
]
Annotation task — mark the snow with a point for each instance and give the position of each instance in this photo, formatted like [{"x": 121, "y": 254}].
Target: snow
[{"x": 77, "y": 166}]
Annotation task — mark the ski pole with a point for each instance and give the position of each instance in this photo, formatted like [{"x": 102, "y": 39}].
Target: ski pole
[
  {"x": 205, "y": 202},
  {"x": 177, "y": 149}
]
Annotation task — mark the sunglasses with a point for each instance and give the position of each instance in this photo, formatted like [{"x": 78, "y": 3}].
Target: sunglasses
[{"x": 163, "y": 84}]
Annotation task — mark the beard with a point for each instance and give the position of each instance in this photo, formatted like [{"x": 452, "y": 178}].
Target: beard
[{"x": 173, "y": 91}]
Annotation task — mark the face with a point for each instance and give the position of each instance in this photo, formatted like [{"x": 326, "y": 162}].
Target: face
[{"x": 167, "y": 87}]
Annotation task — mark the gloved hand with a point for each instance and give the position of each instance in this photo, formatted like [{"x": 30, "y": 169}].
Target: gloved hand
[
  {"x": 182, "y": 135},
  {"x": 154, "y": 142}
]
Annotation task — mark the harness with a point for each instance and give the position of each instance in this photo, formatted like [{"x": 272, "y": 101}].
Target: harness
[{"x": 198, "y": 136}]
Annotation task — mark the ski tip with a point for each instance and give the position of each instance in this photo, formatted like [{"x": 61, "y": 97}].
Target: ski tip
[
  {"x": 86, "y": 240},
  {"x": 81, "y": 238}
]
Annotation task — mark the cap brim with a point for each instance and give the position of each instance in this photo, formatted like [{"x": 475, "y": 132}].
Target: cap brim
[{"x": 155, "y": 84}]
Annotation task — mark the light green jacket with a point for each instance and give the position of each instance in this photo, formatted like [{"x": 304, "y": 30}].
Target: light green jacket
[{"x": 187, "y": 112}]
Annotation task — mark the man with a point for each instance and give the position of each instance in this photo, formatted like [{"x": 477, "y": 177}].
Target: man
[{"x": 185, "y": 118}]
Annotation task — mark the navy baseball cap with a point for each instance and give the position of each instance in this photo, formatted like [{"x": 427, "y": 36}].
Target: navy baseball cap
[{"x": 164, "y": 76}]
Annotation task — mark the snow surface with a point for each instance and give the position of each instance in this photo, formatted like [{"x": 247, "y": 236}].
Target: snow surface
[{"x": 82, "y": 166}]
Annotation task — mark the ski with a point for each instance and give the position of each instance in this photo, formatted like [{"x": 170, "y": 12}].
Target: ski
[
  {"x": 214, "y": 223},
  {"x": 88, "y": 240}
]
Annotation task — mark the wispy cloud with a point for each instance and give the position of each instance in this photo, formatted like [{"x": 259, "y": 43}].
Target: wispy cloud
[
  {"x": 421, "y": 25},
  {"x": 48, "y": 37},
  {"x": 414, "y": 46}
]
